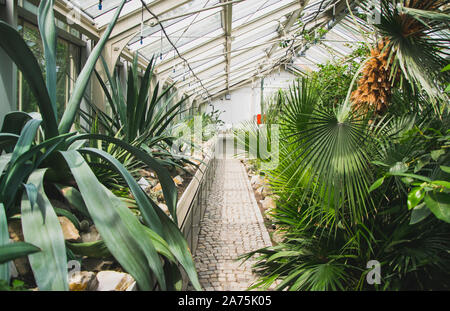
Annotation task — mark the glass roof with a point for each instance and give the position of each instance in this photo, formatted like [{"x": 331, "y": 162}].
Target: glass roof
[{"x": 228, "y": 44}]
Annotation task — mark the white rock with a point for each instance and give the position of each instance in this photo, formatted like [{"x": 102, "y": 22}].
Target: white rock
[
  {"x": 268, "y": 203},
  {"x": 113, "y": 281},
  {"x": 143, "y": 183},
  {"x": 254, "y": 179},
  {"x": 164, "y": 208},
  {"x": 132, "y": 287},
  {"x": 91, "y": 236},
  {"x": 81, "y": 281},
  {"x": 178, "y": 180},
  {"x": 266, "y": 190},
  {"x": 257, "y": 182}
]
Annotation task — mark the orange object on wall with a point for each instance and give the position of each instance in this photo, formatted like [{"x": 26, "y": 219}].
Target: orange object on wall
[{"x": 258, "y": 118}]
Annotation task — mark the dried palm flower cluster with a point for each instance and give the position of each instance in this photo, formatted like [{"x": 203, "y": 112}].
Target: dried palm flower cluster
[{"x": 375, "y": 86}]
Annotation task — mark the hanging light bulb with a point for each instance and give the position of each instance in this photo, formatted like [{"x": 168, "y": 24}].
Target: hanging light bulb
[
  {"x": 100, "y": 5},
  {"x": 334, "y": 13},
  {"x": 160, "y": 54},
  {"x": 142, "y": 25}
]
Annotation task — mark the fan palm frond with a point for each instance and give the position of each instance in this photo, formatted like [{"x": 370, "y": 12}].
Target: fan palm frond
[{"x": 328, "y": 156}]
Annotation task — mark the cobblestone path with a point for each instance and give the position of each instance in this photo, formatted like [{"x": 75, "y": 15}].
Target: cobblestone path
[{"x": 232, "y": 225}]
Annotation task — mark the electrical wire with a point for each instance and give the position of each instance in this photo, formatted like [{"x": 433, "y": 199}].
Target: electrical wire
[{"x": 175, "y": 48}]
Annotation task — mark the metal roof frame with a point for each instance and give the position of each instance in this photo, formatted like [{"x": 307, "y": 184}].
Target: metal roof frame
[{"x": 220, "y": 63}]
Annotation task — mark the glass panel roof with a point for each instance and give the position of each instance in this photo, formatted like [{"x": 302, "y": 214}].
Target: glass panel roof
[{"x": 225, "y": 47}]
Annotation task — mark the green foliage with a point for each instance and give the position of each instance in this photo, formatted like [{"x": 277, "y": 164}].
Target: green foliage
[
  {"x": 17, "y": 285},
  {"x": 38, "y": 167},
  {"x": 424, "y": 174},
  {"x": 351, "y": 189},
  {"x": 336, "y": 75},
  {"x": 142, "y": 116},
  {"x": 418, "y": 53}
]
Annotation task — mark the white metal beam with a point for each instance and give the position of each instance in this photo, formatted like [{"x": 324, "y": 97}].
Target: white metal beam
[
  {"x": 130, "y": 19},
  {"x": 227, "y": 19}
]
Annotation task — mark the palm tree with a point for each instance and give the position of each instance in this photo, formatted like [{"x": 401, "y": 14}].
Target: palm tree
[{"x": 412, "y": 48}]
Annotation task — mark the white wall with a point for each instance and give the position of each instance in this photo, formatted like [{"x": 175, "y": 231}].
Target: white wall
[{"x": 245, "y": 101}]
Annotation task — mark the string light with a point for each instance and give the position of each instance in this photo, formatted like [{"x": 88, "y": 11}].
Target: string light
[
  {"x": 100, "y": 5},
  {"x": 174, "y": 47}
]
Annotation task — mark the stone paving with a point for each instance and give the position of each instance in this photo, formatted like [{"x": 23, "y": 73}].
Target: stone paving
[{"x": 232, "y": 226}]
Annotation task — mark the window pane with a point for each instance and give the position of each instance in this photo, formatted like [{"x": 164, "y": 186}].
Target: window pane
[{"x": 67, "y": 68}]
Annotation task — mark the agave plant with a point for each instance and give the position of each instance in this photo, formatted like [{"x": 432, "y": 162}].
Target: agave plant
[
  {"x": 142, "y": 116},
  {"x": 33, "y": 166}
]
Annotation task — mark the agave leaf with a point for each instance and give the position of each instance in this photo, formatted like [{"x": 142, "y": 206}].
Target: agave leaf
[
  {"x": 179, "y": 247},
  {"x": 15, "y": 250},
  {"x": 16, "y": 48},
  {"x": 95, "y": 249},
  {"x": 149, "y": 215},
  {"x": 41, "y": 228},
  {"x": 7, "y": 142},
  {"x": 26, "y": 138},
  {"x": 22, "y": 167},
  {"x": 143, "y": 95},
  {"x": 157, "y": 220},
  {"x": 47, "y": 29},
  {"x": 120, "y": 229},
  {"x": 173, "y": 276},
  {"x": 419, "y": 14},
  {"x": 4, "y": 240},
  {"x": 132, "y": 98},
  {"x": 14, "y": 122},
  {"x": 168, "y": 185},
  {"x": 68, "y": 215},
  {"x": 84, "y": 76}
]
